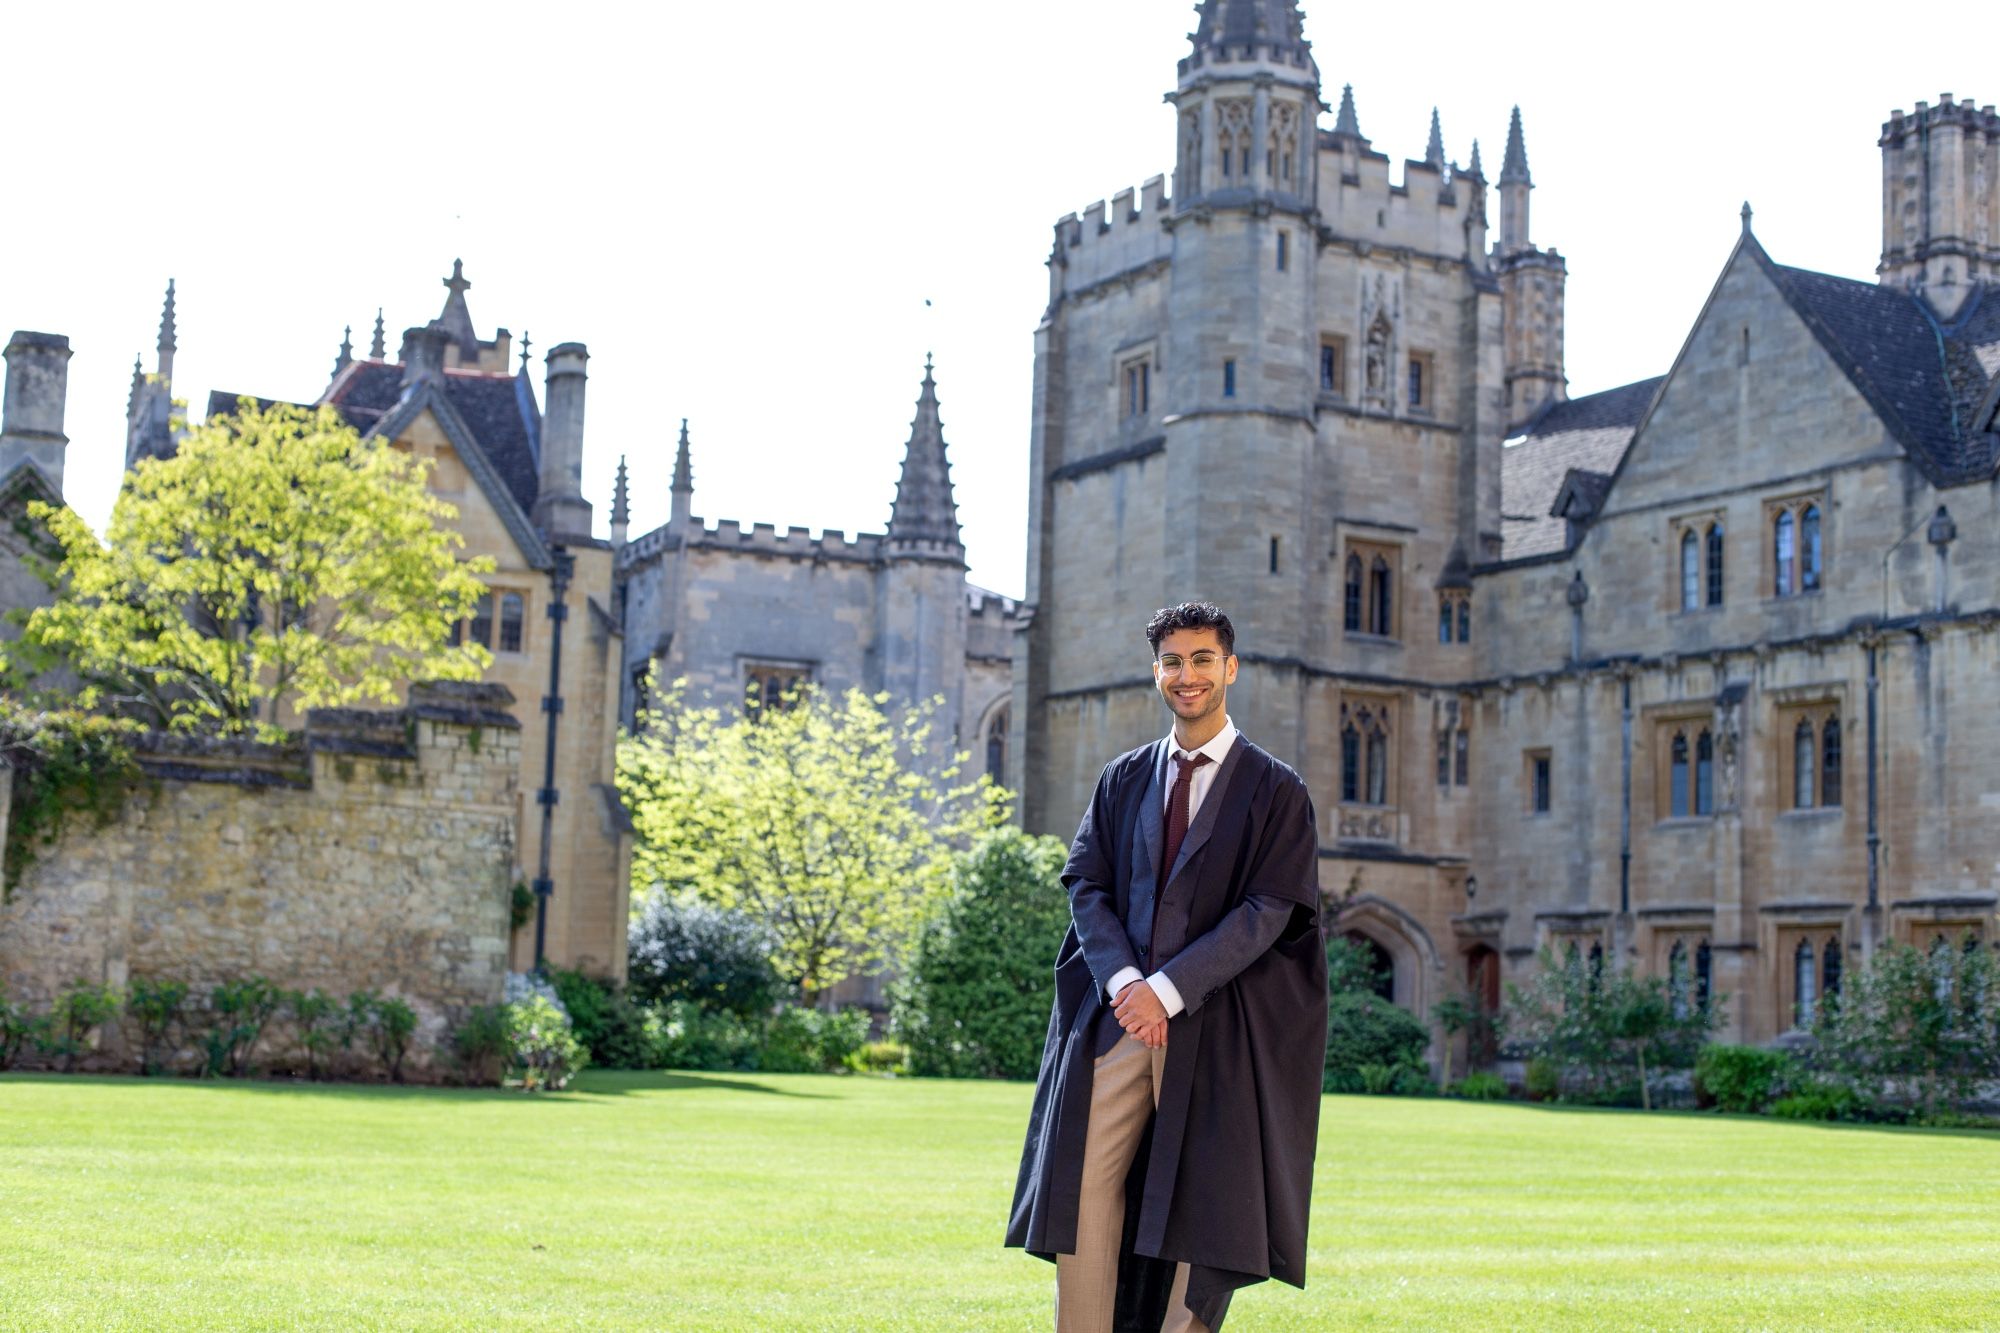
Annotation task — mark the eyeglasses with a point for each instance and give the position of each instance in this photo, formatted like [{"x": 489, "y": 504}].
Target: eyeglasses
[{"x": 1203, "y": 661}]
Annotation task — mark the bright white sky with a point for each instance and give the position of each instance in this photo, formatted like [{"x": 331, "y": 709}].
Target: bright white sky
[{"x": 742, "y": 207}]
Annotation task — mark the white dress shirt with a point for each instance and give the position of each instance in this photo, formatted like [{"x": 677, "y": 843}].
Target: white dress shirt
[{"x": 1199, "y": 783}]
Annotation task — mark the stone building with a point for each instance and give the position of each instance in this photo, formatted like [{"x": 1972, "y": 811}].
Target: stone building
[
  {"x": 739, "y": 611},
  {"x": 514, "y": 473},
  {"x": 1696, "y": 674},
  {"x": 32, "y": 450}
]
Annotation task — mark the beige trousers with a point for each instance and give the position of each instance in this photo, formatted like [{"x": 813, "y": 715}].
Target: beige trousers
[{"x": 1124, "y": 1089}]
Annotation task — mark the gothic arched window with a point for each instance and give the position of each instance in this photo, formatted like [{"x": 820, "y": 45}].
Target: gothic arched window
[
  {"x": 1829, "y": 976},
  {"x": 1378, "y": 768},
  {"x": 1715, "y": 564},
  {"x": 1704, "y": 972},
  {"x": 996, "y": 744},
  {"x": 1677, "y": 779},
  {"x": 1805, "y": 984},
  {"x": 1704, "y": 775},
  {"x": 1783, "y": 555},
  {"x": 1803, "y": 761},
  {"x": 1351, "y": 612},
  {"x": 1809, "y": 549},
  {"x": 1690, "y": 571},
  {"x": 1444, "y": 620},
  {"x": 1679, "y": 983},
  {"x": 1829, "y": 763},
  {"x": 1465, "y": 620},
  {"x": 1379, "y": 588},
  {"x": 1350, "y": 763}
]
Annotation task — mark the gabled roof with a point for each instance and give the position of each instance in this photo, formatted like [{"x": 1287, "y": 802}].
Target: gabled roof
[
  {"x": 499, "y": 410},
  {"x": 429, "y": 397},
  {"x": 1919, "y": 374},
  {"x": 1586, "y": 436}
]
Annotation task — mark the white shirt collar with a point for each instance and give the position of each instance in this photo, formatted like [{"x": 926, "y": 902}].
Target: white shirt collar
[{"x": 1218, "y": 744}]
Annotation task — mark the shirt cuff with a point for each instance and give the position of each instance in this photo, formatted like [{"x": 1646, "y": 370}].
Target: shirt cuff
[
  {"x": 1124, "y": 977},
  {"x": 1165, "y": 991}
]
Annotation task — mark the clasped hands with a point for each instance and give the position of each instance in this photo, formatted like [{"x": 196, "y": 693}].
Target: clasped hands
[{"x": 1142, "y": 1015}]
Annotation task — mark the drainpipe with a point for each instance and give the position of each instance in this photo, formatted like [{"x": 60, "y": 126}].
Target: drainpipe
[
  {"x": 1625, "y": 803},
  {"x": 559, "y": 576}
]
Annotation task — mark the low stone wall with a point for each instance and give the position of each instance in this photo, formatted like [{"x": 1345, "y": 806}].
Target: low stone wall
[{"x": 374, "y": 853}]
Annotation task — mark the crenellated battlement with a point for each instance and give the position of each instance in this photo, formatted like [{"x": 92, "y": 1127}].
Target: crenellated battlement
[
  {"x": 757, "y": 539},
  {"x": 983, "y": 604},
  {"x": 1427, "y": 211},
  {"x": 1104, "y": 244}
]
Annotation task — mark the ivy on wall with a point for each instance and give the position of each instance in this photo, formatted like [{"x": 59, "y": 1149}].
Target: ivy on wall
[{"x": 64, "y": 763}]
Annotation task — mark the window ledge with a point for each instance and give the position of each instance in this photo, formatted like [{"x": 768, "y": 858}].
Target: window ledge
[
  {"x": 1773, "y": 599},
  {"x": 1813, "y": 813},
  {"x": 1716, "y": 609},
  {"x": 1671, "y": 822},
  {"x": 1362, "y": 636}
]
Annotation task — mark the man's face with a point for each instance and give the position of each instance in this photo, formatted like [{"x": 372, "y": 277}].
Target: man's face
[{"x": 1193, "y": 673}]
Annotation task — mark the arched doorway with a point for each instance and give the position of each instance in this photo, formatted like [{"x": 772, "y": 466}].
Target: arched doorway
[{"x": 1381, "y": 964}]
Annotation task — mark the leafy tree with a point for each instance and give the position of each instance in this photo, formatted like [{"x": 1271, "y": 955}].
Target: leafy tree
[
  {"x": 1595, "y": 1028},
  {"x": 976, "y": 1001},
  {"x": 277, "y": 561},
  {"x": 1455, "y": 1014},
  {"x": 1928, "y": 1019},
  {"x": 821, "y": 815}
]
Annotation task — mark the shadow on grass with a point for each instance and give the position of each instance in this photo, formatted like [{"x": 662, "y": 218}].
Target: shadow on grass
[
  {"x": 590, "y": 1086},
  {"x": 1683, "y": 1113}
]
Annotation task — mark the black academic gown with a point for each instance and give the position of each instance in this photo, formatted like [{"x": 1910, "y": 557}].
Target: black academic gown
[{"x": 1225, "y": 1179}]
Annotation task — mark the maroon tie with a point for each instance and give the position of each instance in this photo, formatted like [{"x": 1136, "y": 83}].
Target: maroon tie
[{"x": 1177, "y": 815}]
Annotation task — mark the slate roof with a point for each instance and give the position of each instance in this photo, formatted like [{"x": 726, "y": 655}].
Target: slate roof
[
  {"x": 1921, "y": 376},
  {"x": 499, "y": 409},
  {"x": 1586, "y": 435}
]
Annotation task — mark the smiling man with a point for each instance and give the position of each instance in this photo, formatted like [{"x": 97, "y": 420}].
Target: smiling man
[{"x": 1170, "y": 1148}]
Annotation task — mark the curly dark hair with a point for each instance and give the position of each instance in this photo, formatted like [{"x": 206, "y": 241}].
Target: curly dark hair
[{"x": 1191, "y": 615}]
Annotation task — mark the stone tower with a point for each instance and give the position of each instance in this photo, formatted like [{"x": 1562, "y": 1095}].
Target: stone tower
[
  {"x": 921, "y": 632},
  {"x": 31, "y": 423},
  {"x": 149, "y": 431},
  {"x": 1941, "y": 201},
  {"x": 1531, "y": 290},
  {"x": 1281, "y": 390}
]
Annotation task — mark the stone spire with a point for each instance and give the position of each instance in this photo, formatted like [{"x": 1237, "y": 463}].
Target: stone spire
[
  {"x": 1239, "y": 23},
  {"x": 1346, "y": 122},
  {"x": 621, "y": 508},
  {"x": 346, "y": 356},
  {"x": 683, "y": 490},
  {"x": 525, "y": 345},
  {"x": 138, "y": 383},
  {"x": 456, "y": 320},
  {"x": 1475, "y": 170},
  {"x": 379, "y": 349},
  {"x": 1514, "y": 168},
  {"x": 924, "y": 518},
  {"x": 167, "y": 334},
  {"x": 1434, "y": 150}
]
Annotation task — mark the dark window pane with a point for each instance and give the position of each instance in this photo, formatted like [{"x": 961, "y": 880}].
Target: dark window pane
[
  {"x": 1378, "y": 769},
  {"x": 1677, "y": 779},
  {"x": 1829, "y": 763},
  {"x": 1809, "y": 552},
  {"x": 1715, "y": 565},
  {"x": 1541, "y": 784},
  {"x": 511, "y": 616},
  {"x": 1462, "y": 761},
  {"x": 1444, "y": 758},
  {"x": 1704, "y": 775},
  {"x": 482, "y": 621},
  {"x": 1465, "y": 620},
  {"x": 1229, "y": 379},
  {"x": 1781, "y": 543},
  {"x": 1351, "y": 616},
  {"x": 1444, "y": 622},
  {"x": 1350, "y": 765},
  {"x": 1379, "y": 605},
  {"x": 1829, "y": 977}
]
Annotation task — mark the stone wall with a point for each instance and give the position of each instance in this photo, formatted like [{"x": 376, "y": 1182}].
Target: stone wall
[{"x": 376, "y": 852}]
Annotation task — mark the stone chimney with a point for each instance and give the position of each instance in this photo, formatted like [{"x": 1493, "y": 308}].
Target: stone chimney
[
  {"x": 31, "y": 423},
  {"x": 423, "y": 356},
  {"x": 560, "y": 509}
]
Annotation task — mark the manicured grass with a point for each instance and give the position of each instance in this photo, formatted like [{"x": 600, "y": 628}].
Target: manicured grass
[{"x": 759, "y": 1202}]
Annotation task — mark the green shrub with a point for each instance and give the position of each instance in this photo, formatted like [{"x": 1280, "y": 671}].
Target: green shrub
[
  {"x": 1741, "y": 1079},
  {"x": 1819, "y": 1101},
  {"x": 316, "y": 1015},
  {"x": 543, "y": 1054},
  {"x": 1542, "y": 1079},
  {"x": 880, "y": 1057},
  {"x": 718, "y": 959},
  {"x": 1480, "y": 1087},
  {"x": 393, "y": 1023},
  {"x": 481, "y": 1044},
  {"x": 19, "y": 1028},
  {"x": 975, "y": 1002},
  {"x": 156, "y": 1007},
  {"x": 238, "y": 1012},
  {"x": 1364, "y": 1029},
  {"x": 616, "y": 1032},
  {"x": 81, "y": 1007},
  {"x": 809, "y": 1041},
  {"x": 688, "y": 1037},
  {"x": 1377, "y": 1079}
]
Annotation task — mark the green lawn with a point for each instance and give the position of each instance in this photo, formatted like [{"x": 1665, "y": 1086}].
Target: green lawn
[{"x": 759, "y": 1202}]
